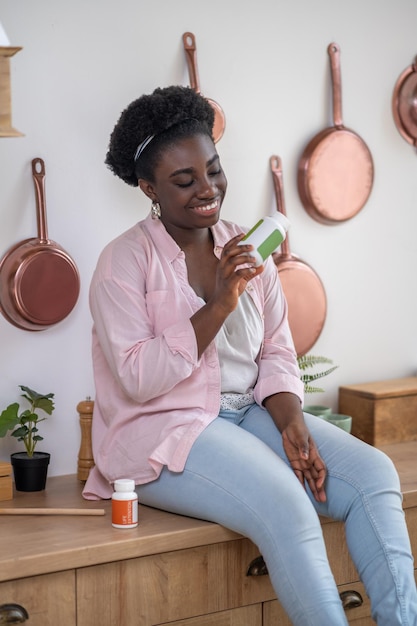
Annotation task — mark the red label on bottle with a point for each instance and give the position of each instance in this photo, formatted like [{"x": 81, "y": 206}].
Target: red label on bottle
[{"x": 124, "y": 512}]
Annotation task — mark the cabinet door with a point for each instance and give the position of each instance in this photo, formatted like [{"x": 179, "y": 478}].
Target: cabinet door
[
  {"x": 273, "y": 614},
  {"x": 48, "y": 599},
  {"x": 166, "y": 587},
  {"x": 246, "y": 616}
]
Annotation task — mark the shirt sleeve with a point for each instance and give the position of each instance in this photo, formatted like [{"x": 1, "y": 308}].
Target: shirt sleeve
[{"x": 147, "y": 338}]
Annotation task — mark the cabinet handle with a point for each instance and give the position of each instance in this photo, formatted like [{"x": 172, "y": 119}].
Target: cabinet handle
[
  {"x": 257, "y": 567},
  {"x": 351, "y": 599},
  {"x": 13, "y": 614}
]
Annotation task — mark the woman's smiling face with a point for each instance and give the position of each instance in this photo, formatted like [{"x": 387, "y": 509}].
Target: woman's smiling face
[{"x": 189, "y": 184}]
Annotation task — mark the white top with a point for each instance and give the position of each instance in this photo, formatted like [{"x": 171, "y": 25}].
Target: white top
[{"x": 238, "y": 344}]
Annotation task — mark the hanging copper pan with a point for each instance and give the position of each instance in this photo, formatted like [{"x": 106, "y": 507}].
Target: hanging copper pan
[
  {"x": 39, "y": 281},
  {"x": 404, "y": 104},
  {"x": 335, "y": 172},
  {"x": 303, "y": 289},
  {"x": 190, "y": 48}
]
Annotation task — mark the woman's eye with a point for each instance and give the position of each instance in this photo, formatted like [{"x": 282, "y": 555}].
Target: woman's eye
[
  {"x": 183, "y": 185},
  {"x": 216, "y": 173}
]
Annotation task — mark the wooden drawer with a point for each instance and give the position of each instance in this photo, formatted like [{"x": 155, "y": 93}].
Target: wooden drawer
[
  {"x": 6, "y": 483},
  {"x": 48, "y": 599},
  {"x": 246, "y": 616},
  {"x": 273, "y": 612},
  {"x": 382, "y": 412},
  {"x": 171, "y": 586}
]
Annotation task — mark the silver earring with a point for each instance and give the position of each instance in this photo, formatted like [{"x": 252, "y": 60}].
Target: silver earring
[{"x": 155, "y": 210}]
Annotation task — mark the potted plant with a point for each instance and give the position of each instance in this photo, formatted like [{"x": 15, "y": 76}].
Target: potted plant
[
  {"x": 30, "y": 467},
  {"x": 309, "y": 360},
  {"x": 305, "y": 362}
]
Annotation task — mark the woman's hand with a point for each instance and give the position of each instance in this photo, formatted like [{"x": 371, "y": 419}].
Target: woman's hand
[
  {"x": 304, "y": 458},
  {"x": 231, "y": 277},
  {"x": 229, "y": 284}
]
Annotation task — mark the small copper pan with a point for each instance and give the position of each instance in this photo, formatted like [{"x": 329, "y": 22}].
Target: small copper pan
[
  {"x": 39, "y": 281},
  {"x": 303, "y": 289},
  {"x": 404, "y": 104},
  {"x": 190, "y": 48},
  {"x": 335, "y": 172}
]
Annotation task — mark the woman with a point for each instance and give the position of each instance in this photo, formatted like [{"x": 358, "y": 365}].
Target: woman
[{"x": 198, "y": 392}]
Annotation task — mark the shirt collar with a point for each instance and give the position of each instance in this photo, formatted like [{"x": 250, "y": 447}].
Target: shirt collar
[{"x": 170, "y": 249}]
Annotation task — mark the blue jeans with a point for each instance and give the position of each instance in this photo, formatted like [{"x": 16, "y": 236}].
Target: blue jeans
[{"x": 237, "y": 475}]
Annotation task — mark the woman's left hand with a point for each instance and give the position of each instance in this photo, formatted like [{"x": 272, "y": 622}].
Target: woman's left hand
[{"x": 304, "y": 458}]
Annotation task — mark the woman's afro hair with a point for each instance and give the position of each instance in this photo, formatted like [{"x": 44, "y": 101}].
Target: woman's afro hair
[{"x": 152, "y": 115}]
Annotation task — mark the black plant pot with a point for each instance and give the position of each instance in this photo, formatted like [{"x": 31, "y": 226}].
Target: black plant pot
[{"x": 30, "y": 472}]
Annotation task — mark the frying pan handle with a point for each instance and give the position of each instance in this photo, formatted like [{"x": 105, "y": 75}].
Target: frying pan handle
[
  {"x": 190, "y": 48},
  {"x": 334, "y": 54},
  {"x": 38, "y": 172},
  {"x": 276, "y": 169}
]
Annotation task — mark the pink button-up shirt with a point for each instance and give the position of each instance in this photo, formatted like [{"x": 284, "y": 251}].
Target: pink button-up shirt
[{"x": 154, "y": 396}]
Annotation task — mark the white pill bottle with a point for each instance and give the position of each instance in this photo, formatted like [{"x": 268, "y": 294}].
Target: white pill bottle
[
  {"x": 124, "y": 510},
  {"x": 266, "y": 236}
]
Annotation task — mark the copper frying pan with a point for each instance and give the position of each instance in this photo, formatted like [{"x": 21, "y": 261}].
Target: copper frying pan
[
  {"x": 190, "y": 48},
  {"x": 404, "y": 104},
  {"x": 303, "y": 289},
  {"x": 335, "y": 172},
  {"x": 39, "y": 281}
]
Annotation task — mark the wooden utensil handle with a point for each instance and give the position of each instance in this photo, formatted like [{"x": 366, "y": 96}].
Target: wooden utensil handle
[{"x": 51, "y": 511}]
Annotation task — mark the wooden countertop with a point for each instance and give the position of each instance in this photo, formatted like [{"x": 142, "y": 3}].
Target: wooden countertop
[
  {"x": 404, "y": 456},
  {"x": 32, "y": 545}
]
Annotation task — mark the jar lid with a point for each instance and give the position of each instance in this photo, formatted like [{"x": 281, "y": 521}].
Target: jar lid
[
  {"x": 282, "y": 220},
  {"x": 124, "y": 484}
]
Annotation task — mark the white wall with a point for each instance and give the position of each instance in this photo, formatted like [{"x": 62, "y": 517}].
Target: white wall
[{"x": 266, "y": 63}]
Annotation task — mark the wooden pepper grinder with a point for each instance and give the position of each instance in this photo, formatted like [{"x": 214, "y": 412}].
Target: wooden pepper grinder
[{"x": 85, "y": 455}]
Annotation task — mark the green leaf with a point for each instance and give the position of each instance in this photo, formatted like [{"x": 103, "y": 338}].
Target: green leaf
[
  {"x": 38, "y": 400},
  {"x": 310, "y": 377},
  {"x": 26, "y": 417},
  {"x": 310, "y": 360},
  {"x": 9, "y": 418},
  {"x": 20, "y": 432}
]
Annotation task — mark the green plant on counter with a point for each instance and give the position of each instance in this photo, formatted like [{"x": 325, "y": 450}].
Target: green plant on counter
[
  {"x": 309, "y": 360},
  {"x": 25, "y": 425}
]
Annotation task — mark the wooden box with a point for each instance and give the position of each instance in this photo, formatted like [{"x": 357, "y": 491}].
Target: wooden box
[
  {"x": 382, "y": 412},
  {"x": 6, "y": 485}
]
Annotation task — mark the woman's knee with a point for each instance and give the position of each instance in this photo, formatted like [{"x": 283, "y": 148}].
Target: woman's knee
[{"x": 377, "y": 468}]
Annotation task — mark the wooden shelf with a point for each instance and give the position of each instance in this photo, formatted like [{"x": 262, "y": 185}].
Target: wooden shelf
[{"x": 6, "y": 128}]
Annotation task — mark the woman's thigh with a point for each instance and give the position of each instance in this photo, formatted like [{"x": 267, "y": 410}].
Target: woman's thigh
[
  {"x": 353, "y": 467},
  {"x": 229, "y": 471}
]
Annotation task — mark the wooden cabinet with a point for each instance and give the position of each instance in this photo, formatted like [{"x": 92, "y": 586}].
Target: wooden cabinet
[
  {"x": 171, "y": 570},
  {"x": 49, "y": 599},
  {"x": 173, "y": 586}
]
